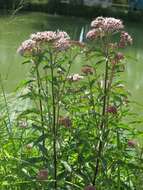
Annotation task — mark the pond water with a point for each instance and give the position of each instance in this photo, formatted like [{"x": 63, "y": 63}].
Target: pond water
[{"x": 13, "y": 30}]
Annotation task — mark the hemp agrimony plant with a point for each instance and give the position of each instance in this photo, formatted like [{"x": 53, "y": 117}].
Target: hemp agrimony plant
[
  {"x": 99, "y": 131},
  {"x": 108, "y": 101},
  {"x": 51, "y": 55},
  {"x": 76, "y": 127}
]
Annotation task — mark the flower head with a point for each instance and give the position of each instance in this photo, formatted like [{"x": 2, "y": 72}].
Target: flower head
[
  {"x": 46, "y": 36},
  {"x": 28, "y": 47},
  {"x": 94, "y": 34},
  {"x": 112, "y": 109},
  {"x": 125, "y": 39},
  {"x": 107, "y": 24},
  {"x": 49, "y": 36},
  {"x": 62, "y": 44},
  {"x": 62, "y": 34},
  {"x": 58, "y": 40},
  {"x": 98, "y": 22}
]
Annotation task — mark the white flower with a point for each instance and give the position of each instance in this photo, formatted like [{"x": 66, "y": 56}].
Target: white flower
[{"x": 75, "y": 77}]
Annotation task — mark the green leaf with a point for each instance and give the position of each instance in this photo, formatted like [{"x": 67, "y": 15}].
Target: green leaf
[{"x": 67, "y": 166}]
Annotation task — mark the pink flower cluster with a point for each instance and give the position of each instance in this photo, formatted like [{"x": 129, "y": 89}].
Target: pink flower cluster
[
  {"x": 104, "y": 26},
  {"x": 107, "y": 24},
  {"x": 46, "y": 36},
  {"x": 59, "y": 40},
  {"x": 62, "y": 34},
  {"x": 49, "y": 36},
  {"x": 28, "y": 47},
  {"x": 125, "y": 39},
  {"x": 94, "y": 34},
  {"x": 62, "y": 44}
]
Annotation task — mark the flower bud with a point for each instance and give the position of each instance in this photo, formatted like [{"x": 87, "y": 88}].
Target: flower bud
[
  {"x": 42, "y": 174},
  {"x": 132, "y": 143},
  {"x": 90, "y": 187},
  {"x": 125, "y": 39},
  {"x": 87, "y": 70},
  {"x": 65, "y": 121},
  {"x": 119, "y": 56},
  {"x": 112, "y": 109}
]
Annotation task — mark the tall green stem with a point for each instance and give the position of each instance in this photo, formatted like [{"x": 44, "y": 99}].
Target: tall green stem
[
  {"x": 92, "y": 99},
  {"x": 40, "y": 104},
  {"x": 119, "y": 148},
  {"x": 103, "y": 122},
  {"x": 47, "y": 97},
  {"x": 61, "y": 91},
  {"x": 54, "y": 124}
]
